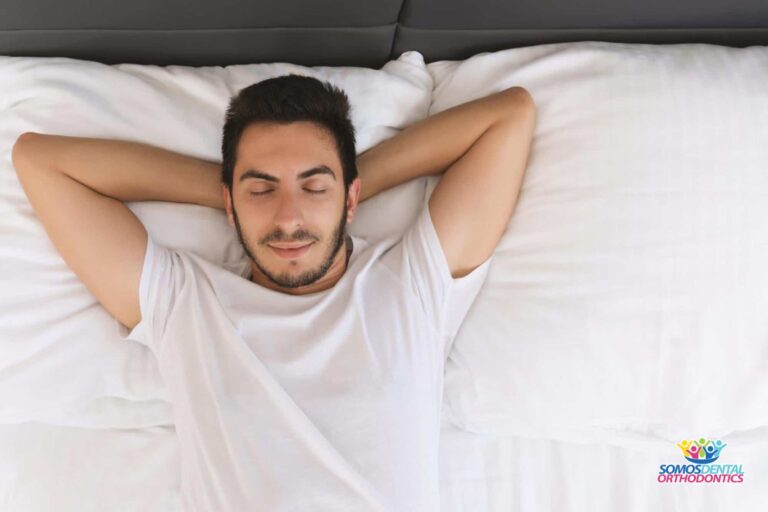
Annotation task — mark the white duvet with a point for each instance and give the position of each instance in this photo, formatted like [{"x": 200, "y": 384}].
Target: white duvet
[{"x": 70, "y": 469}]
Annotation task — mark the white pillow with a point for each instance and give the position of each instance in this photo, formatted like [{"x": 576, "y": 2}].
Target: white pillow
[
  {"x": 61, "y": 357},
  {"x": 628, "y": 294}
]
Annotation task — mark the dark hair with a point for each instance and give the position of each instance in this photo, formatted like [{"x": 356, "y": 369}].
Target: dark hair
[{"x": 286, "y": 99}]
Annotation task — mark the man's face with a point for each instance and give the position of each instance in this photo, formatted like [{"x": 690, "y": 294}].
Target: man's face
[{"x": 288, "y": 190}]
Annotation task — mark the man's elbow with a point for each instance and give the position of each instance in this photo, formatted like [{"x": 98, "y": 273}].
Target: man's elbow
[
  {"x": 20, "y": 152},
  {"x": 521, "y": 106},
  {"x": 521, "y": 95},
  {"x": 520, "y": 100}
]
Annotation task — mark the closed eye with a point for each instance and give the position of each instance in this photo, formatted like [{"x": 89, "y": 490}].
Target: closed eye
[{"x": 307, "y": 190}]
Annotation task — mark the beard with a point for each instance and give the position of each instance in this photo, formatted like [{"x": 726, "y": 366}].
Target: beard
[{"x": 286, "y": 280}]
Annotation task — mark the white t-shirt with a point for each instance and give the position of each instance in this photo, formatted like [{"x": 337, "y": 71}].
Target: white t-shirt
[{"x": 326, "y": 402}]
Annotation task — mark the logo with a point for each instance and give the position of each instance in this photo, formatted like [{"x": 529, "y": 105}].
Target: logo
[{"x": 702, "y": 453}]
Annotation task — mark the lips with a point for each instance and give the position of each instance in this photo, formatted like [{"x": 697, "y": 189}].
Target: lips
[
  {"x": 289, "y": 246},
  {"x": 291, "y": 252}
]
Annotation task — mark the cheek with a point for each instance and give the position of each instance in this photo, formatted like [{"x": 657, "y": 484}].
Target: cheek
[{"x": 251, "y": 223}]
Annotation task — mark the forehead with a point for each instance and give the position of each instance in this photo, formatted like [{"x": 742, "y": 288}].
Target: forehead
[{"x": 286, "y": 149}]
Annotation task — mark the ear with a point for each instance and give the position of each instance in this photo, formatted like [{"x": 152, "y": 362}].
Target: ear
[
  {"x": 352, "y": 198},
  {"x": 228, "y": 205}
]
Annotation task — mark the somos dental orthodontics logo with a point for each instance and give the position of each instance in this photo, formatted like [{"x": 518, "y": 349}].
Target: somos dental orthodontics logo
[{"x": 702, "y": 453}]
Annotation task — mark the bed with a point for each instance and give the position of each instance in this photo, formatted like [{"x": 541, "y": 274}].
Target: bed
[{"x": 624, "y": 314}]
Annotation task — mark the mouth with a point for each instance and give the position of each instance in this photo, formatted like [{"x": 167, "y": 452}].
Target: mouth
[{"x": 290, "y": 252}]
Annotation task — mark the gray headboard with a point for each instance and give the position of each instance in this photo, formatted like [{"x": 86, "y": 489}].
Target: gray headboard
[{"x": 355, "y": 32}]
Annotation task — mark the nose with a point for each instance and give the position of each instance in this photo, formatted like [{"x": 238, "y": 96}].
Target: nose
[{"x": 289, "y": 216}]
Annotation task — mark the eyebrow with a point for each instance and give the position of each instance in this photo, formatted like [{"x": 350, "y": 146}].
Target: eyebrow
[{"x": 257, "y": 174}]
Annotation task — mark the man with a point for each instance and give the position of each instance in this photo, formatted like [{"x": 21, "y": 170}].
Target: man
[{"x": 312, "y": 380}]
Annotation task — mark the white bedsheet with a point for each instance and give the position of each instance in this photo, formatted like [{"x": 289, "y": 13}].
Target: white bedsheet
[{"x": 48, "y": 468}]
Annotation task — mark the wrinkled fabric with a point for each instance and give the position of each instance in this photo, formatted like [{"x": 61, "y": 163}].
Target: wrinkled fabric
[{"x": 331, "y": 399}]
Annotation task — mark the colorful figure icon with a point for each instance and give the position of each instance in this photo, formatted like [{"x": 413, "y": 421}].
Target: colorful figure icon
[
  {"x": 716, "y": 447},
  {"x": 702, "y": 443},
  {"x": 684, "y": 445},
  {"x": 701, "y": 451}
]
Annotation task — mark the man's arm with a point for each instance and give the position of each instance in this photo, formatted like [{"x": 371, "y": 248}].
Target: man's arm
[
  {"x": 482, "y": 148},
  {"x": 77, "y": 186}
]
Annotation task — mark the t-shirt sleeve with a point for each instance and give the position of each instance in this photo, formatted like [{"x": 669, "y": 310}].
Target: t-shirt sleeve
[
  {"x": 162, "y": 276},
  {"x": 445, "y": 299}
]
